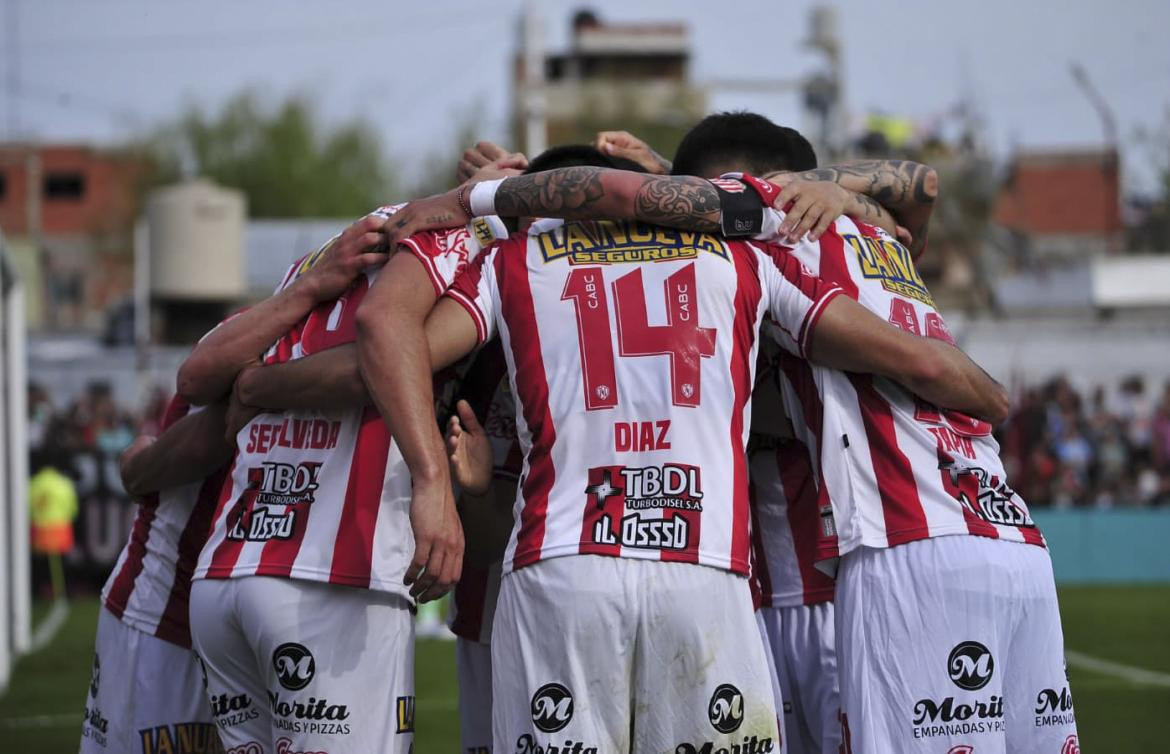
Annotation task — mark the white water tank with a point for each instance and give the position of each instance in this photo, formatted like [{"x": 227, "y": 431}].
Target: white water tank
[{"x": 196, "y": 242}]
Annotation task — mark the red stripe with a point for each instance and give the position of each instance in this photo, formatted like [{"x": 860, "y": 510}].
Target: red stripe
[
  {"x": 743, "y": 337},
  {"x": 470, "y": 596},
  {"x": 834, "y": 268},
  {"x": 427, "y": 258},
  {"x": 761, "y": 581},
  {"x": 532, "y": 392},
  {"x": 223, "y": 560},
  {"x": 803, "y": 509},
  {"x": 353, "y": 550},
  {"x": 1033, "y": 536},
  {"x": 901, "y": 507},
  {"x": 123, "y": 587},
  {"x": 174, "y": 626},
  {"x": 800, "y": 377}
]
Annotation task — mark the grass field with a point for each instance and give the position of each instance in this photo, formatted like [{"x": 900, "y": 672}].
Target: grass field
[{"x": 1116, "y": 715}]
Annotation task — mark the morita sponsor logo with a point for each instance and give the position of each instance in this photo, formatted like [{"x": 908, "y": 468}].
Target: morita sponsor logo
[
  {"x": 232, "y": 710},
  {"x": 970, "y": 666},
  {"x": 297, "y": 434},
  {"x": 647, "y": 533},
  {"x": 526, "y": 744},
  {"x": 1054, "y": 708},
  {"x": 749, "y": 745},
  {"x": 312, "y": 715}
]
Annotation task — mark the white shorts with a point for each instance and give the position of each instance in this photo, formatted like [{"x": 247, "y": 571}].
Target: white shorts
[
  {"x": 590, "y": 651},
  {"x": 949, "y": 643},
  {"x": 145, "y": 694},
  {"x": 805, "y": 653},
  {"x": 473, "y": 666},
  {"x": 297, "y": 665}
]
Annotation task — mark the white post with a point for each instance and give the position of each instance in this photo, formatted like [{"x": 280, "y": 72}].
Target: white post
[
  {"x": 7, "y": 504},
  {"x": 535, "y": 126},
  {"x": 142, "y": 298},
  {"x": 18, "y": 478}
]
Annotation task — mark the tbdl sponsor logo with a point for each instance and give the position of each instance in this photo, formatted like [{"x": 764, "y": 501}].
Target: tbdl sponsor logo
[
  {"x": 987, "y": 496},
  {"x": 970, "y": 665},
  {"x": 294, "y": 665},
  {"x": 552, "y": 707},
  {"x": 284, "y": 483}
]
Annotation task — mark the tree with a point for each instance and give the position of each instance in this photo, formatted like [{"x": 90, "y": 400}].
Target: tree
[{"x": 281, "y": 158}]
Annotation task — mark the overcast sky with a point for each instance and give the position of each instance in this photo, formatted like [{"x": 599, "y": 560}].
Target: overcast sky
[{"x": 101, "y": 70}]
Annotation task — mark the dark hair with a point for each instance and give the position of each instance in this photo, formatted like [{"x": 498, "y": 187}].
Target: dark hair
[
  {"x": 575, "y": 155},
  {"x": 750, "y": 141}
]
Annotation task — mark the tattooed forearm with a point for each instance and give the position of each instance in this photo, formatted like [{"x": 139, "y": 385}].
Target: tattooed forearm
[
  {"x": 907, "y": 189},
  {"x": 556, "y": 193},
  {"x": 588, "y": 193},
  {"x": 679, "y": 202}
]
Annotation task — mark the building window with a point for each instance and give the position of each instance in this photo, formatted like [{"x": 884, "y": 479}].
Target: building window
[{"x": 68, "y": 186}]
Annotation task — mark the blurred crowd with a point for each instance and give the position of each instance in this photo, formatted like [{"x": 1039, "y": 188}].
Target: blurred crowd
[
  {"x": 1101, "y": 449},
  {"x": 1104, "y": 448}
]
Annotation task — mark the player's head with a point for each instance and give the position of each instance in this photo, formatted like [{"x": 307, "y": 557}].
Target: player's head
[
  {"x": 578, "y": 155},
  {"x": 741, "y": 142},
  {"x": 572, "y": 156}
]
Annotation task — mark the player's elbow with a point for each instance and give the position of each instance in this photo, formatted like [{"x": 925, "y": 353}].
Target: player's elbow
[
  {"x": 191, "y": 382},
  {"x": 999, "y": 405}
]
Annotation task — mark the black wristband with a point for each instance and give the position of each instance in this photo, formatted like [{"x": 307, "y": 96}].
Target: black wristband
[{"x": 741, "y": 210}]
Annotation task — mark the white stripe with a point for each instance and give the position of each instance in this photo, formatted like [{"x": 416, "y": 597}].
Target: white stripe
[{"x": 1139, "y": 676}]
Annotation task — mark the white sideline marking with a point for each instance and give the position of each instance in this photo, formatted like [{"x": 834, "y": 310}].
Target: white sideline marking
[
  {"x": 49, "y": 626},
  {"x": 39, "y": 721},
  {"x": 1140, "y": 676}
]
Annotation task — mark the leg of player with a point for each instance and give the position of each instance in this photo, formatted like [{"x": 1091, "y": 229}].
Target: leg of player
[
  {"x": 473, "y": 667},
  {"x": 923, "y": 631},
  {"x": 1040, "y": 715},
  {"x": 802, "y": 642},
  {"x": 145, "y": 694},
  {"x": 562, "y": 658},
  {"x": 337, "y": 664},
  {"x": 701, "y": 679},
  {"x": 239, "y": 702},
  {"x": 778, "y": 697}
]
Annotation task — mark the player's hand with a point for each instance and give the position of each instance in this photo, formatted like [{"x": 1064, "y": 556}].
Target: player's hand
[
  {"x": 438, "y": 541},
  {"x": 238, "y": 413},
  {"x": 469, "y": 451},
  {"x": 507, "y": 166},
  {"x": 814, "y": 206},
  {"x": 433, "y": 213},
  {"x": 359, "y": 246},
  {"x": 625, "y": 144},
  {"x": 474, "y": 158},
  {"x": 904, "y": 236}
]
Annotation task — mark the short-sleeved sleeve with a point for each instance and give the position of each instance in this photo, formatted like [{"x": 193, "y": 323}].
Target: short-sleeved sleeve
[
  {"x": 476, "y": 291},
  {"x": 796, "y": 298},
  {"x": 445, "y": 254}
]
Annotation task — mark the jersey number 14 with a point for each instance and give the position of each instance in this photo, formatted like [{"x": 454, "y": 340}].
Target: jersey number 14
[{"x": 681, "y": 338}]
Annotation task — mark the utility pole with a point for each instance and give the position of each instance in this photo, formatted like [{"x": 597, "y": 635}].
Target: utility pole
[
  {"x": 824, "y": 92},
  {"x": 12, "y": 81},
  {"x": 1109, "y": 166},
  {"x": 533, "y": 101}
]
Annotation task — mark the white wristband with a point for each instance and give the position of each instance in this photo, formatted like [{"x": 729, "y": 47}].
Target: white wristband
[{"x": 483, "y": 197}]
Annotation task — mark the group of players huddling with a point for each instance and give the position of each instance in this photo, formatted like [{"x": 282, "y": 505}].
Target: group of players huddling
[{"x": 724, "y": 482}]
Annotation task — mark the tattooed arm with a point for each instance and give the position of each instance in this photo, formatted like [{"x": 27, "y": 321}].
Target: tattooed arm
[{"x": 907, "y": 189}]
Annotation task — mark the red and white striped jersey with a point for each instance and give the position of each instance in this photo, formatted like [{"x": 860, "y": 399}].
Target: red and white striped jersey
[
  {"x": 473, "y": 606},
  {"x": 631, "y": 352},
  {"x": 151, "y": 581},
  {"x": 325, "y": 495},
  {"x": 896, "y": 468}
]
